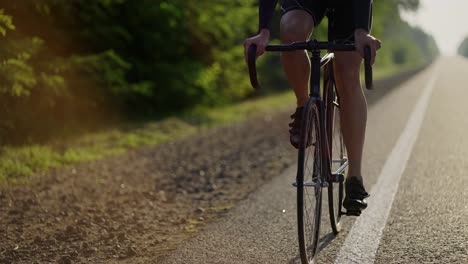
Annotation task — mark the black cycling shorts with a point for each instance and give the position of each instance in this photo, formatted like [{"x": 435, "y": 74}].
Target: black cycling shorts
[{"x": 341, "y": 15}]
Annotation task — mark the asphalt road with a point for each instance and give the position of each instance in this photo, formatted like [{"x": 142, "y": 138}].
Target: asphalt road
[{"x": 415, "y": 158}]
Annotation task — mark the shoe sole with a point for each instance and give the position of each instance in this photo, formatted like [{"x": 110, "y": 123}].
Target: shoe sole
[{"x": 354, "y": 208}]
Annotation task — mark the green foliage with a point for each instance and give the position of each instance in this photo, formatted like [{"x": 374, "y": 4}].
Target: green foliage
[
  {"x": 401, "y": 43},
  {"x": 105, "y": 70},
  {"x": 463, "y": 48},
  {"x": 6, "y": 23},
  {"x": 18, "y": 77},
  {"x": 73, "y": 65},
  {"x": 408, "y": 4}
]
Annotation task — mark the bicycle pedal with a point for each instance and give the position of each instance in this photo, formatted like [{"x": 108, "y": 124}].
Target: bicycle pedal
[
  {"x": 312, "y": 184},
  {"x": 337, "y": 177}
]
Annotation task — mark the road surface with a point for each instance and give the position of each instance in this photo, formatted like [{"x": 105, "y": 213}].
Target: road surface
[{"x": 415, "y": 164}]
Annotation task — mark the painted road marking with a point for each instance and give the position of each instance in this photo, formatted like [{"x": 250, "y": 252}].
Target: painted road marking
[{"x": 363, "y": 240}]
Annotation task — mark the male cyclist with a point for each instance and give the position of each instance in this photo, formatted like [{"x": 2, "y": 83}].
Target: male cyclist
[{"x": 352, "y": 21}]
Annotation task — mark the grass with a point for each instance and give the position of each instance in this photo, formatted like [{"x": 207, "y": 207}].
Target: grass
[
  {"x": 18, "y": 164},
  {"x": 391, "y": 70},
  {"x": 193, "y": 226},
  {"x": 220, "y": 208}
]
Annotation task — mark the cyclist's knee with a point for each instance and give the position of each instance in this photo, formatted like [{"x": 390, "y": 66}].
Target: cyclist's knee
[
  {"x": 296, "y": 25},
  {"x": 347, "y": 66}
]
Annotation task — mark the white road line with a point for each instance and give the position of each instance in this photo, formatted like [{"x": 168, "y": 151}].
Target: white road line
[{"x": 363, "y": 240}]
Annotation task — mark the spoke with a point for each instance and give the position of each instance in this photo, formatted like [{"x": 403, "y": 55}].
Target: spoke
[
  {"x": 310, "y": 202},
  {"x": 312, "y": 173}
]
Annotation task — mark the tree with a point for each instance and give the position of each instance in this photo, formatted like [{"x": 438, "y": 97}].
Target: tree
[
  {"x": 463, "y": 48},
  {"x": 63, "y": 60}
]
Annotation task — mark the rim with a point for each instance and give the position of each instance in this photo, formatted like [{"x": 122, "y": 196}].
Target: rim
[
  {"x": 338, "y": 159},
  {"x": 312, "y": 174}
]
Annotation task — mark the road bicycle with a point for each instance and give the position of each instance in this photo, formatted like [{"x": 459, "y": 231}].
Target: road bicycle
[{"x": 321, "y": 154}]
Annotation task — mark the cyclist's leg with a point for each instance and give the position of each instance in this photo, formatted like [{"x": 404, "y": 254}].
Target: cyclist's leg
[
  {"x": 353, "y": 102},
  {"x": 353, "y": 107},
  {"x": 297, "y": 23}
]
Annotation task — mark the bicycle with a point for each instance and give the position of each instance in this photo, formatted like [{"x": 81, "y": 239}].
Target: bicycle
[{"x": 322, "y": 140}]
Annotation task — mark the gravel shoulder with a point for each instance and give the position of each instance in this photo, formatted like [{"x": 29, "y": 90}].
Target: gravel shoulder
[{"x": 138, "y": 207}]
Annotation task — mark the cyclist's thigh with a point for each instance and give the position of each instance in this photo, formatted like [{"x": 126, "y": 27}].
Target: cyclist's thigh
[
  {"x": 347, "y": 64},
  {"x": 299, "y": 18},
  {"x": 342, "y": 27}
]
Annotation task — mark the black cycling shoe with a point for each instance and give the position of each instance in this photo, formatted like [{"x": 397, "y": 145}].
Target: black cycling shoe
[
  {"x": 295, "y": 127},
  {"x": 354, "y": 201}
]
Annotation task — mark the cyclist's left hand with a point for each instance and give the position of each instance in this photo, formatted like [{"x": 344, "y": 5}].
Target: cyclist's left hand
[{"x": 362, "y": 38}]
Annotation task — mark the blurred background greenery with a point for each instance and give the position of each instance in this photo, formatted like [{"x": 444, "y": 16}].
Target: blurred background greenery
[
  {"x": 79, "y": 65},
  {"x": 463, "y": 48}
]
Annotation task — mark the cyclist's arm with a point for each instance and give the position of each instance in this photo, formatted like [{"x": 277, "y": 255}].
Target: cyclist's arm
[
  {"x": 266, "y": 8},
  {"x": 362, "y": 14},
  {"x": 362, "y": 22}
]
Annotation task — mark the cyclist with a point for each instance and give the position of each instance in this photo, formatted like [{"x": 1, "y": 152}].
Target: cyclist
[{"x": 352, "y": 21}]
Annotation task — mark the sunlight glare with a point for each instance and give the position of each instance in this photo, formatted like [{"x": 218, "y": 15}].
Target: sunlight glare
[{"x": 447, "y": 21}]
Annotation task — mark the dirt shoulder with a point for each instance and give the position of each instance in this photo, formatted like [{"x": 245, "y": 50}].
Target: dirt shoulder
[{"x": 137, "y": 207}]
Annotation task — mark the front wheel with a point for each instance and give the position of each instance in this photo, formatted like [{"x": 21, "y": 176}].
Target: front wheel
[{"x": 310, "y": 178}]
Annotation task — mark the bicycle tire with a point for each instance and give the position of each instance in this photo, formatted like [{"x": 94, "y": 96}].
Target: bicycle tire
[
  {"x": 309, "y": 203},
  {"x": 337, "y": 153}
]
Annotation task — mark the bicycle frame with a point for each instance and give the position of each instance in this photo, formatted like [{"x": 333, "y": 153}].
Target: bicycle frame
[{"x": 317, "y": 62}]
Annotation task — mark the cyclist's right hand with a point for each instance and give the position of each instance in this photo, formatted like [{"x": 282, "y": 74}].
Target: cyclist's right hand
[{"x": 261, "y": 40}]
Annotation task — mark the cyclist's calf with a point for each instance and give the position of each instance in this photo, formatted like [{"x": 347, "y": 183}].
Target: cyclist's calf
[{"x": 353, "y": 107}]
